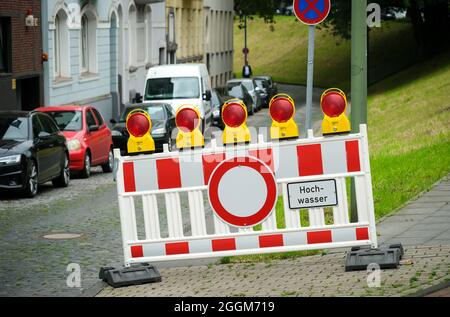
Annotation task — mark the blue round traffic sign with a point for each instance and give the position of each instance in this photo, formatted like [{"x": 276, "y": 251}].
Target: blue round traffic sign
[{"x": 312, "y": 12}]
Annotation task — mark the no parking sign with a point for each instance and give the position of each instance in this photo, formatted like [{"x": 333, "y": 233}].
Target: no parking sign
[{"x": 312, "y": 12}]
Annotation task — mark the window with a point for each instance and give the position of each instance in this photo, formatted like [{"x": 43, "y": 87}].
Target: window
[
  {"x": 98, "y": 116},
  {"x": 67, "y": 120},
  {"x": 5, "y": 45},
  {"x": 48, "y": 124},
  {"x": 88, "y": 43},
  {"x": 37, "y": 127},
  {"x": 133, "y": 36},
  {"x": 90, "y": 119},
  {"x": 172, "y": 88},
  {"x": 13, "y": 128},
  {"x": 61, "y": 47}
]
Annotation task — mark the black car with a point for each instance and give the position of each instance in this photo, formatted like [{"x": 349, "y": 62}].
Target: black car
[
  {"x": 163, "y": 124},
  {"x": 32, "y": 151},
  {"x": 217, "y": 101},
  {"x": 240, "y": 92},
  {"x": 272, "y": 89}
]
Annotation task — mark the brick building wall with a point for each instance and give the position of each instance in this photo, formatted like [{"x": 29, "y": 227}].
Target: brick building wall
[{"x": 23, "y": 80}]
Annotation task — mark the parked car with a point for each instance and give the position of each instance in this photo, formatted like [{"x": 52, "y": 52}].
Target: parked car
[
  {"x": 264, "y": 86},
  {"x": 253, "y": 90},
  {"x": 32, "y": 152},
  {"x": 88, "y": 137},
  {"x": 217, "y": 101},
  {"x": 242, "y": 93},
  {"x": 163, "y": 125},
  {"x": 181, "y": 84},
  {"x": 273, "y": 88}
]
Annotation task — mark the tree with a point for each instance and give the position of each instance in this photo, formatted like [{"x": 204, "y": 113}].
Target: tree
[{"x": 265, "y": 9}]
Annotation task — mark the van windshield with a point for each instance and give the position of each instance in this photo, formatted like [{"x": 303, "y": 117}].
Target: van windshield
[{"x": 172, "y": 88}]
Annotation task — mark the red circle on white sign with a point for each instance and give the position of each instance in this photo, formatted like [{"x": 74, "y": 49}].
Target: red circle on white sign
[{"x": 242, "y": 191}]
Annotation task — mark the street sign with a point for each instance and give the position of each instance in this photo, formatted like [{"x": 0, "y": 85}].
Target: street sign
[
  {"x": 242, "y": 191},
  {"x": 312, "y": 12},
  {"x": 316, "y": 194}
]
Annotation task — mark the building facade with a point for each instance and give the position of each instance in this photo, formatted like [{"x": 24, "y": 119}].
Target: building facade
[
  {"x": 20, "y": 55},
  {"x": 185, "y": 31},
  {"x": 218, "y": 35},
  {"x": 99, "y": 50}
]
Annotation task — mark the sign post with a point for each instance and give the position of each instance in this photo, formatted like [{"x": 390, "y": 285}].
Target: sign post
[{"x": 311, "y": 13}]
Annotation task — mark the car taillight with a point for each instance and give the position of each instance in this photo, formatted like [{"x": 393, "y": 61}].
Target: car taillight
[
  {"x": 138, "y": 125},
  {"x": 234, "y": 115},
  {"x": 187, "y": 120}
]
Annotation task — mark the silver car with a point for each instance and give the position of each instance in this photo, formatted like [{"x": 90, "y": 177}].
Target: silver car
[{"x": 252, "y": 88}]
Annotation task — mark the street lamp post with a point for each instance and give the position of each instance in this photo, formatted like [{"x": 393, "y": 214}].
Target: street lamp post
[{"x": 359, "y": 78}]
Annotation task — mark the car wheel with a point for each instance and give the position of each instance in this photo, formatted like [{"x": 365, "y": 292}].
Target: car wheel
[
  {"x": 64, "y": 176},
  {"x": 31, "y": 180},
  {"x": 86, "y": 172},
  {"x": 109, "y": 166}
]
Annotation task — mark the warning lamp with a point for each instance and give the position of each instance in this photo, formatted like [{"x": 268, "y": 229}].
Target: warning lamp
[
  {"x": 139, "y": 125},
  {"x": 334, "y": 105},
  {"x": 188, "y": 122},
  {"x": 282, "y": 112},
  {"x": 234, "y": 116}
]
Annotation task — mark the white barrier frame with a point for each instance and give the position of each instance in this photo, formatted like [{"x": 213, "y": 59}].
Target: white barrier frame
[{"x": 363, "y": 184}]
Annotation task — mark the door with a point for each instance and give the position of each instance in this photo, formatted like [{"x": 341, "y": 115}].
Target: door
[
  {"x": 55, "y": 145},
  {"x": 105, "y": 138},
  {"x": 93, "y": 137},
  {"x": 43, "y": 150}
]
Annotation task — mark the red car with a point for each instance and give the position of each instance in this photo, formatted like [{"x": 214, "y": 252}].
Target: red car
[{"x": 89, "y": 140}]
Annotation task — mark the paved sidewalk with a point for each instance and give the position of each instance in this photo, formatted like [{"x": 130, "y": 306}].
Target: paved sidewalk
[
  {"x": 423, "y": 226},
  {"x": 425, "y": 221}
]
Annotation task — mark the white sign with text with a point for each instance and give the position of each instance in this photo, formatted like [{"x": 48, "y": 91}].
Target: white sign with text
[{"x": 304, "y": 195}]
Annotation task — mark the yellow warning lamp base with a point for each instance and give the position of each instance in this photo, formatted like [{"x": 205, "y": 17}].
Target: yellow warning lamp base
[
  {"x": 284, "y": 131},
  {"x": 234, "y": 136},
  {"x": 143, "y": 145},
  {"x": 190, "y": 140},
  {"x": 338, "y": 125}
]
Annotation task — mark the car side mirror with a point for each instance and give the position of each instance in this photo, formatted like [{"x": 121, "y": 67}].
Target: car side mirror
[
  {"x": 93, "y": 127},
  {"x": 113, "y": 121},
  {"x": 44, "y": 135},
  {"x": 207, "y": 95}
]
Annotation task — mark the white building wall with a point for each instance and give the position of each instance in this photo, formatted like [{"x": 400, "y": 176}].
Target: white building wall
[
  {"x": 219, "y": 40},
  {"x": 143, "y": 44}
]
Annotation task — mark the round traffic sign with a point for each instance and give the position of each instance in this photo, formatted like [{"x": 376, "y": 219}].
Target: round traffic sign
[
  {"x": 242, "y": 191},
  {"x": 312, "y": 12},
  {"x": 245, "y": 50}
]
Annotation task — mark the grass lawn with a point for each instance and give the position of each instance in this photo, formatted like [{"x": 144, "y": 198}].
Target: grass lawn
[
  {"x": 409, "y": 140},
  {"x": 282, "y": 52}
]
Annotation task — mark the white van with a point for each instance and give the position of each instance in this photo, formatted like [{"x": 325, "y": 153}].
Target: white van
[{"x": 179, "y": 85}]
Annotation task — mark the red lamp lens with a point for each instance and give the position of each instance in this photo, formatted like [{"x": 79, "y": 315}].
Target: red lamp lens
[
  {"x": 138, "y": 125},
  {"x": 281, "y": 110},
  {"x": 333, "y": 104},
  {"x": 187, "y": 120},
  {"x": 234, "y": 115}
]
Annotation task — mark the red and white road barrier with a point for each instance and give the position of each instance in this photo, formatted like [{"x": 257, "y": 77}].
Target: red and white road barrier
[{"x": 237, "y": 188}]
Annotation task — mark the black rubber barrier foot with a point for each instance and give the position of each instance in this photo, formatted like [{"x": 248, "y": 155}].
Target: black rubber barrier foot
[
  {"x": 359, "y": 259},
  {"x": 135, "y": 275}
]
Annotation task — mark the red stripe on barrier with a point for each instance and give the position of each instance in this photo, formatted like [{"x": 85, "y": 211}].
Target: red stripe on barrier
[
  {"x": 271, "y": 241},
  {"x": 223, "y": 245},
  {"x": 210, "y": 162},
  {"x": 265, "y": 156},
  {"x": 137, "y": 251},
  {"x": 362, "y": 234},
  {"x": 177, "y": 248},
  {"x": 353, "y": 162},
  {"x": 310, "y": 160},
  {"x": 128, "y": 177},
  {"x": 319, "y": 237},
  {"x": 169, "y": 175}
]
